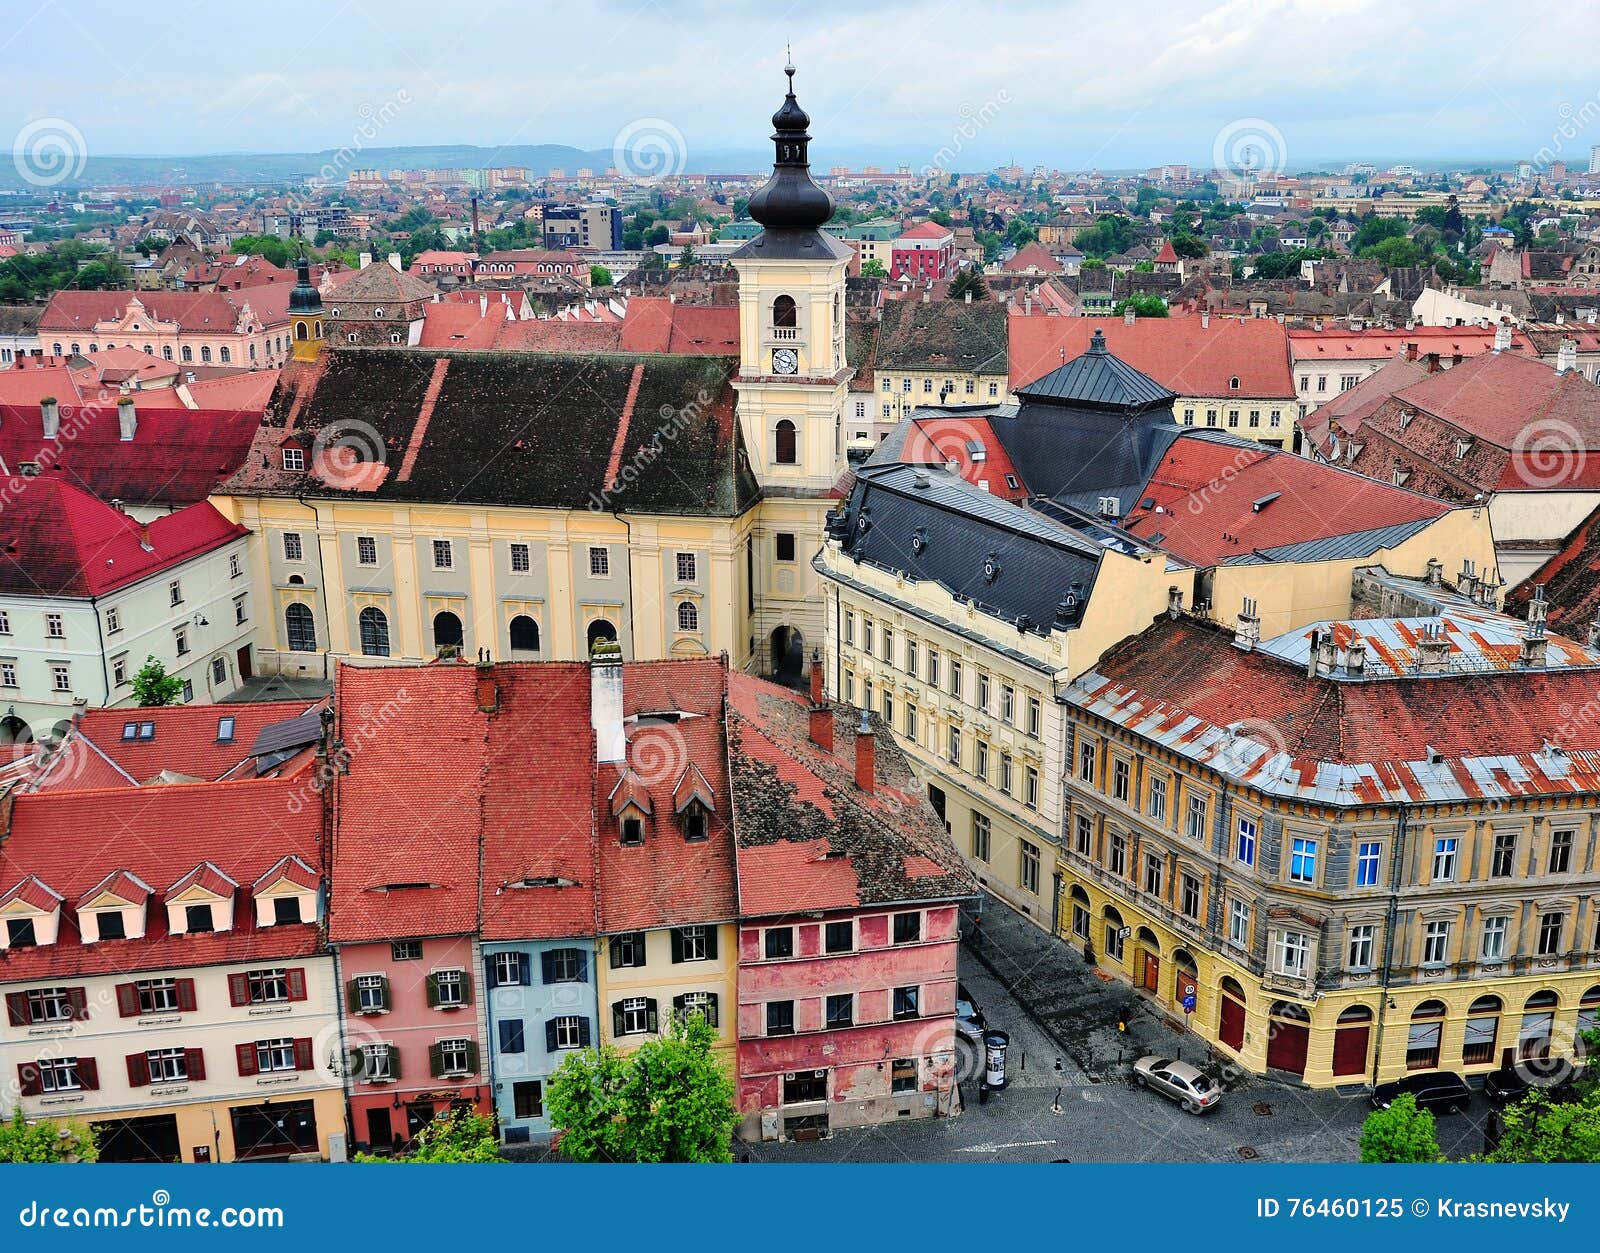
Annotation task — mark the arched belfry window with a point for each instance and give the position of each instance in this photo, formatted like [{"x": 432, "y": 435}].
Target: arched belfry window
[
  {"x": 783, "y": 312},
  {"x": 786, "y": 440}
]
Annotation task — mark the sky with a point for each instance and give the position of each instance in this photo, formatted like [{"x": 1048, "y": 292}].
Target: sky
[{"x": 950, "y": 83}]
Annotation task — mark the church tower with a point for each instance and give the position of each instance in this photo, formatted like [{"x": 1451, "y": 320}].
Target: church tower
[
  {"x": 791, "y": 386},
  {"x": 305, "y": 314}
]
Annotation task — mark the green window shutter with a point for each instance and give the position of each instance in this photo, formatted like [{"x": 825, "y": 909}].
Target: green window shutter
[
  {"x": 433, "y": 994},
  {"x": 711, "y": 942},
  {"x": 616, "y": 1018},
  {"x": 472, "y": 1057},
  {"x": 711, "y": 1008},
  {"x": 466, "y": 987},
  {"x": 583, "y": 1033},
  {"x": 383, "y": 991},
  {"x": 650, "y": 1014},
  {"x": 677, "y": 1005},
  {"x": 352, "y": 997},
  {"x": 677, "y": 946},
  {"x": 394, "y": 1060},
  {"x": 435, "y": 1060}
]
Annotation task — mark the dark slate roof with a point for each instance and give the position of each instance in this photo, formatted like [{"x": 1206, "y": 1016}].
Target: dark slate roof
[
  {"x": 296, "y": 732},
  {"x": 540, "y": 430},
  {"x": 933, "y": 525},
  {"x": 791, "y": 244},
  {"x": 943, "y": 335},
  {"x": 1068, "y": 450},
  {"x": 1099, "y": 380}
]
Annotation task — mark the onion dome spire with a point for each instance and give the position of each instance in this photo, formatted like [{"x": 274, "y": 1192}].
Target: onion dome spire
[{"x": 790, "y": 198}]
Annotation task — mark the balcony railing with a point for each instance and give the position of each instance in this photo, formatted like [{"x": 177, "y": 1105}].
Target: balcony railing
[{"x": 785, "y": 332}]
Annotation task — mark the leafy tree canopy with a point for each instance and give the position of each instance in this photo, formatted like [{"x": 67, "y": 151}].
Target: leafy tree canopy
[
  {"x": 154, "y": 686},
  {"x": 1401, "y": 1133}
]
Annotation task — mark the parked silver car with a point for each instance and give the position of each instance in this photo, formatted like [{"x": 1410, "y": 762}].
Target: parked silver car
[
  {"x": 970, "y": 1023},
  {"x": 1190, "y": 1086}
]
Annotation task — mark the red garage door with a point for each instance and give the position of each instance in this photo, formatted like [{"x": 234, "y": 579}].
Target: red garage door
[
  {"x": 1350, "y": 1044},
  {"x": 1230, "y": 1030},
  {"x": 1288, "y": 1039}
]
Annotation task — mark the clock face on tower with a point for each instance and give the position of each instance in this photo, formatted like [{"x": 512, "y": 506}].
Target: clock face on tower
[{"x": 785, "y": 361}]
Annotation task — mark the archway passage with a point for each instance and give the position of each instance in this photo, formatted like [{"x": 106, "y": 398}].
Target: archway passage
[
  {"x": 1230, "y": 1016},
  {"x": 1351, "y": 1038},
  {"x": 447, "y": 632},
  {"x": 13, "y": 730},
  {"x": 600, "y": 630},
  {"x": 788, "y": 655}
]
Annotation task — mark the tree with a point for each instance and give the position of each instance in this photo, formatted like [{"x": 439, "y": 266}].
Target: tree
[
  {"x": 1374, "y": 230},
  {"x": 599, "y": 276},
  {"x": 686, "y": 257},
  {"x": 463, "y": 1136},
  {"x": 1395, "y": 251},
  {"x": 873, "y": 269},
  {"x": 154, "y": 686},
  {"x": 969, "y": 280},
  {"x": 1536, "y": 1129},
  {"x": 670, "y": 1100},
  {"x": 1144, "y": 305},
  {"x": 269, "y": 248},
  {"x": 1187, "y": 245},
  {"x": 1401, "y": 1133},
  {"x": 42, "y": 1141},
  {"x": 1020, "y": 232}
]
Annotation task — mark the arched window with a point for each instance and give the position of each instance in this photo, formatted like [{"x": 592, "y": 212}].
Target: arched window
[
  {"x": 301, "y": 628},
  {"x": 225, "y": 354},
  {"x": 55, "y": 349},
  {"x": 188, "y": 353},
  {"x": 374, "y": 633},
  {"x": 149, "y": 351},
  {"x": 447, "y": 632},
  {"x": 783, "y": 311},
  {"x": 377, "y": 313},
  {"x": 786, "y": 442},
  {"x": 299, "y": 330},
  {"x": 1483, "y": 1028},
  {"x": 75, "y": 350},
  {"x": 600, "y": 630},
  {"x": 319, "y": 332},
  {"x": 205, "y": 353},
  {"x": 524, "y": 634},
  {"x": 1422, "y": 1041},
  {"x": 1115, "y": 940},
  {"x": 688, "y": 616},
  {"x": 166, "y": 352}
]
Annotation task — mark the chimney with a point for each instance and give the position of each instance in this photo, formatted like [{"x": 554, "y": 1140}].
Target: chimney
[
  {"x": 127, "y": 419},
  {"x": 866, "y": 753},
  {"x": 1502, "y": 337},
  {"x": 1312, "y": 651},
  {"x": 925, "y": 297},
  {"x": 1327, "y": 653},
  {"x": 1411, "y": 350},
  {"x": 966, "y": 297},
  {"x": 394, "y": 261},
  {"x": 1467, "y": 581},
  {"x": 605, "y": 702},
  {"x": 1027, "y": 304},
  {"x": 483, "y": 306},
  {"x": 1174, "y": 602},
  {"x": 144, "y": 538},
  {"x": 366, "y": 260},
  {"x": 1594, "y": 631},
  {"x": 1205, "y": 319},
  {"x": 1435, "y": 575},
  {"x": 1535, "y": 643},
  {"x": 488, "y": 689},
  {"x": 821, "y": 714},
  {"x": 1433, "y": 650},
  {"x": 1248, "y": 633},
  {"x": 1567, "y": 356},
  {"x": 1128, "y": 316},
  {"x": 1355, "y": 660},
  {"x": 50, "y": 415}
]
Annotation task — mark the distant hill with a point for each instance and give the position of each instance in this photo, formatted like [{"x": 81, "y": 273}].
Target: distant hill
[{"x": 296, "y": 167}]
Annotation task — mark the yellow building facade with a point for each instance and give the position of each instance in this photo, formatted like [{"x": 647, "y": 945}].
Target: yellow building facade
[{"x": 646, "y": 976}]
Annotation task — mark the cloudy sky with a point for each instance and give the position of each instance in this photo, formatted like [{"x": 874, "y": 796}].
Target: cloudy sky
[{"x": 1069, "y": 84}]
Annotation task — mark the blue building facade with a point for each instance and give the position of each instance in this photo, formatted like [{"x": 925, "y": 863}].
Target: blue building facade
[{"x": 542, "y": 1005}]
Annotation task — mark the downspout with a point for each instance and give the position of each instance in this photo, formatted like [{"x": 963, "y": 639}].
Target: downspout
[
  {"x": 1396, "y": 871},
  {"x": 322, "y": 582},
  {"x": 99, "y": 634},
  {"x": 633, "y": 639}
]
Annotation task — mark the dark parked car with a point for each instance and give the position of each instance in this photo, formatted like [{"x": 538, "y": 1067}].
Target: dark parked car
[
  {"x": 1510, "y": 1084},
  {"x": 1438, "y": 1090}
]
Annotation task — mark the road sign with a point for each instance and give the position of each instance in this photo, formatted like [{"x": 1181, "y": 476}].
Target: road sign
[{"x": 1188, "y": 1003}]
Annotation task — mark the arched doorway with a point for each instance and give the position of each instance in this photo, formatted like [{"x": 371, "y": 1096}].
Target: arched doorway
[
  {"x": 1288, "y": 1037},
  {"x": 447, "y": 632},
  {"x": 13, "y": 730},
  {"x": 1115, "y": 938},
  {"x": 1230, "y": 1015},
  {"x": 788, "y": 655},
  {"x": 1351, "y": 1036},
  {"x": 1588, "y": 1019},
  {"x": 1149, "y": 966},
  {"x": 600, "y": 630},
  {"x": 524, "y": 636},
  {"x": 1185, "y": 978},
  {"x": 1080, "y": 912}
]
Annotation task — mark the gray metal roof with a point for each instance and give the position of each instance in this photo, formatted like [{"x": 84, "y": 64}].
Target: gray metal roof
[
  {"x": 297, "y": 732},
  {"x": 1335, "y": 547},
  {"x": 1097, "y": 378}
]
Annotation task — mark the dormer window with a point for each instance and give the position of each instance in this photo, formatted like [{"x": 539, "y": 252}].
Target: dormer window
[
  {"x": 110, "y": 925},
  {"x": 285, "y": 909},
  {"x": 286, "y": 894},
  {"x": 20, "y": 933},
  {"x": 632, "y": 831},
  {"x": 1463, "y": 447},
  {"x": 1233, "y": 383},
  {"x": 695, "y": 826},
  {"x": 198, "y": 919}
]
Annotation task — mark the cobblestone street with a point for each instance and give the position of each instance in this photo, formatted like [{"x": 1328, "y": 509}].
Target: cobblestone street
[{"x": 1070, "y": 1096}]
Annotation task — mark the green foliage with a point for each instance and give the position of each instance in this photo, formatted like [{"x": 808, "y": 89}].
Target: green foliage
[
  {"x": 268, "y": 247},
  {"x": 1374, "y": 230},
  {"x": 38, "y": 276},
  {"x": 670, "y": 1100},
  {"x": 1401, "y": 1133},
  {"x": 1396, "y": 250},
  {"x": 873, "y": 269},
  {"x": 1144, "y": 305},
  {"x": 1109, "y": 235},
  {"x": 1144, "y": 267},
  {"x": 23, "y": 1142},
  {"x": 941, "y": 217},
  {"x": 686, "y": 257},
  {"x": 1190, "y": 246},
  {"x": 154, "y": 686},
  {"x": 1020, "y": 231},
  {"x": 1286, "y": 264},
  {"x": 1536, "y": 1130},
  {"x": 1093, "y": 263},
  {"x": 462, "y": 1136},
  {"x": 658, "y": 234},
  {"x": 969, "y": 279},
  {"x": 599, "y": 276}
]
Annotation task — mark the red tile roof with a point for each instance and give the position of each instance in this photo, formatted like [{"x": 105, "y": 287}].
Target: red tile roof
[
  {"x": 1344, "y": 414},
  {"x": 77, "y": 312},
  {"x": 56, "y": 540},
  {"x": 656, "y": 324},
  {"x": 808, "y": 838},
  {"x": 940, "y": 440},
  {"x": 1180, "y": 354},
  {"x": 72, "y": 840},
  {"x": 1340, "y": 343},
  {"x": 184, "y": 742},
  {"x": 1267, "y": 498}
]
